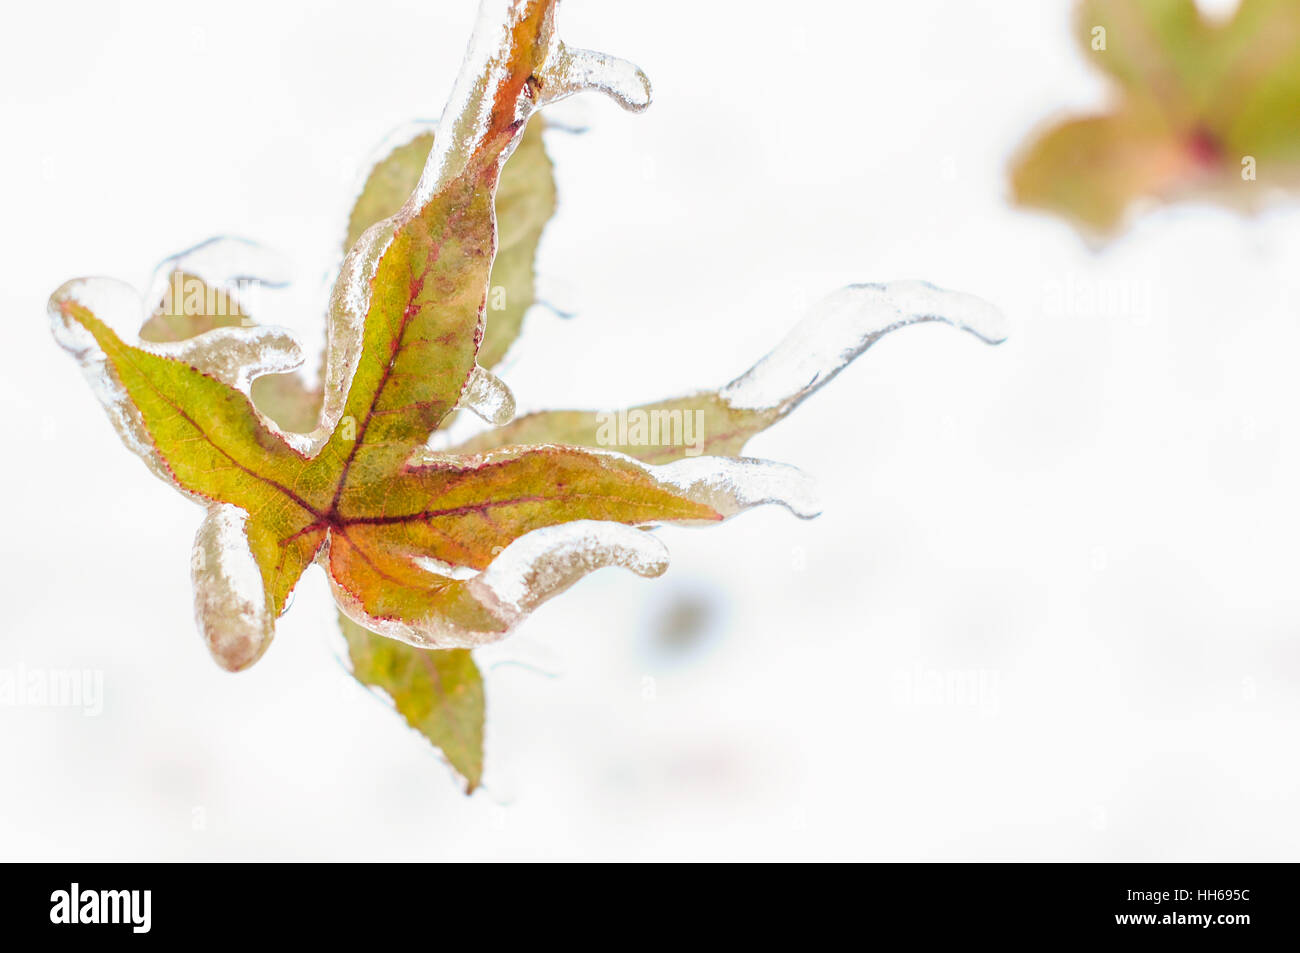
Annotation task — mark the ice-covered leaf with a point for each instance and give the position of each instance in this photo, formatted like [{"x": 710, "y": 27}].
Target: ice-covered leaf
[
  {"x": 429, "y": 553},
  {"x": 439, "y": 693},
  {"x": 833, "y": 333},
  {"x": 525, "y": 202},
  {"x": 190, "y": 304},
  {"x": 357, "y": 496},
  {"x": 462, "y": 510},
  {"x": 1202, "y": 108}
]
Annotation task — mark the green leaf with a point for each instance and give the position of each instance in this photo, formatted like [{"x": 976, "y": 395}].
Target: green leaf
[
  {"x": 659, "y": 432},
  {"x": 525, "y": 202},
  {"x": 439, "y": 693},
  {"x": 192, "y": 307},
  {"x": 215, "y": 447}
]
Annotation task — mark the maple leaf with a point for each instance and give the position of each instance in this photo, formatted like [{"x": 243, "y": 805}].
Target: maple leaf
[
  {"x": 440, "y": 693},
  {"x": 1204, "y": 109},
  {"x": 432, "y": 552}
]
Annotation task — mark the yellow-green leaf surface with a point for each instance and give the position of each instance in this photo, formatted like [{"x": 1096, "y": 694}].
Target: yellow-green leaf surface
[
  {"x": 462, "y": 510},
  {"x": 214, "y": 447},
  {"x": 525, "y": 202},
  {"x": 661, "y": 432},
  {"x": 1202, "y": 108},
  {"x": 439, "y": 693},
  {"x": 193, "y": 307},
  {"x": 418, "y": 679},
  {"x": 190, "y": 307}
]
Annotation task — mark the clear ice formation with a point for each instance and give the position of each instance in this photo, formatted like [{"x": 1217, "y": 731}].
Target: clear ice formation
[
  {"x": 118, "y": 305},
  {"x": 565, "y": 72},
  {"x": 226, "y": 261},
  {"x": 233, "y": 611},
  {"x": 732, "y": 486},
  {"x": 487, "y": 395},
  {"x": 534, "y": 568},
  {"x": 230, "y": 605},
  {"x": 542, "y": 564},
  {"x": 841, "y": 326}
]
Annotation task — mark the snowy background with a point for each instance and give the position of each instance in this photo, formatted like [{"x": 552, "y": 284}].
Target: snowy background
[{"x": 1051, "y": 611}]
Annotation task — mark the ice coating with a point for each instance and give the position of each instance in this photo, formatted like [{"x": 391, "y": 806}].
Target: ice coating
[
  {"x": 402, "y": 135},
  {"x": 733, "y": 485},
  {"x": 114, "y": 302},
  {"x": 233, "y": 355},
  {"x": 236, "y": 356},
  {"x": 534, "y": 568},
  {"x": 225, "y": 261},
  {"x": 542, "y": 564},
  {"x": 468, "y": 110},
  {"x": 843, "y": 325},
  {"x": 118, "y": 305},
  {"x": 571, "y": 71},
  {"x": 561, "y": 73},
  {"x": 345, "y": 326},
  {"x": 450, "y": 570},
  {"x": 231, "y": 607},
  {"x": 488, "y": 396},
  {"x": 465, "y": 122}
]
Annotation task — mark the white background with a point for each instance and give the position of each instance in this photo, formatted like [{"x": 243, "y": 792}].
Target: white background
[{"x": 1098, "y": 520}]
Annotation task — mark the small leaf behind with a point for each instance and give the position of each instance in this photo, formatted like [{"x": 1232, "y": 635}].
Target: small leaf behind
[{"x": 439, "y": 692}]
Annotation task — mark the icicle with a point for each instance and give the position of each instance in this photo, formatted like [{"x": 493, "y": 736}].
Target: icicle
[
  {"x": 531, "y": 570},
  {"x": 540, "y": 565},
  {"x": 845, "y": 324},
  {"x": 731, "y": 486},
  {"x": 569, "y": 71},
  {"x": 118, "y": 305},
  {"x": 488, "y": 396},
  {"x": 226, "y": 262},
  {"x": 235, "y": 356},
  {"x": 113, "y": 302},
  {"x": 231, "y": 607},
  {"x": 563, "y": 72}
]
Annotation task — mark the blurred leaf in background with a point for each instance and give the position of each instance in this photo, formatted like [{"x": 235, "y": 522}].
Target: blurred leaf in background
[{"x": 1202, "y": 108}]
